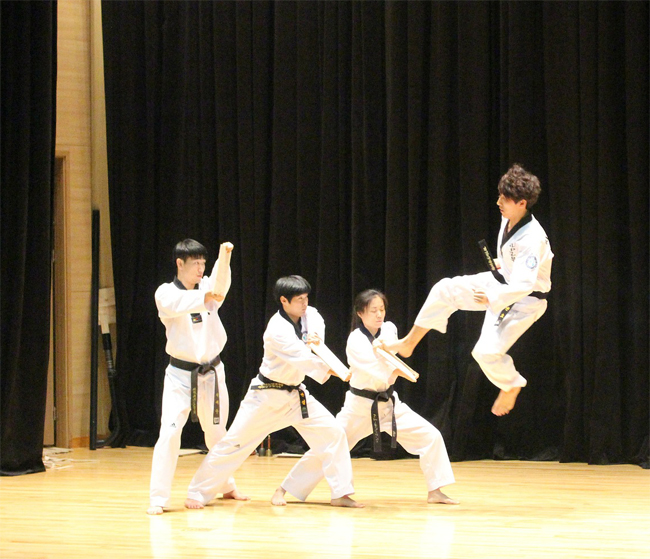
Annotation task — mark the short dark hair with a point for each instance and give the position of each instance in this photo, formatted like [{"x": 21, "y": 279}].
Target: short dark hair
[
  {"x": 361, "y": 302},
  {"x": 289, "y": 287},
  {"x": 189, "y": 248},
  {"x": 518, "y": 184}
]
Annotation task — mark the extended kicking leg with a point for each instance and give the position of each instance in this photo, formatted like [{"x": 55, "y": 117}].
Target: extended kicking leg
[{"x": 406, "y": 345}]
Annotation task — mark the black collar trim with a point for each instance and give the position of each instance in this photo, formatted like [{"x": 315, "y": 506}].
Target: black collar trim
[
  {"x": 178, "y": 283},
  {"x": 507, "y": 235},
  {"x": 296, "y": 327},
  {"x": 368, "y": 335}
]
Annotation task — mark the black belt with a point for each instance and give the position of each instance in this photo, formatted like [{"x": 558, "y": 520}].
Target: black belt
[
  {"x": 539, "y": 294},
  {"x": 374, "y": 414},
  {"x": 272, "y": 384},
  {"x": 485, "y": 251},
  {"x": 197, "y": 369},
  {"x": 504, "y": 312}
]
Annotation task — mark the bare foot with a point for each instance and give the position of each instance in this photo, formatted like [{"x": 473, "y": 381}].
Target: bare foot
[
  {"x": 193, "y": 504},
  {"x": 505, "y": 401},
  {"x": 346, "y": 501},
  {"x": 402, "y": 347},
  {"x": 437, "y": 496},
  {"x": 155, "y": 510},
  {"x": 278, "y": 498},
  {"x": 236, "y": 495}
]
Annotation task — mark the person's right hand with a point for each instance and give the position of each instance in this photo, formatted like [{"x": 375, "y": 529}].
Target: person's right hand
[{"x": 209, "y": 296}]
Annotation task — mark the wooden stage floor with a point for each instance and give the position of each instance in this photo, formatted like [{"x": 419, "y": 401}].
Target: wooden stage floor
[{"x": 92, "y": 505}]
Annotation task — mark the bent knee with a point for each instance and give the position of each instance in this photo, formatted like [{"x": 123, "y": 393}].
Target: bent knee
[
  {"x": 486, "y": 357},
  {"x": 444, "y": 283},
  {"x": 446, "y": 287},
  {"x": 429, "y": 441},
  {"x": 339, "y": 437}
]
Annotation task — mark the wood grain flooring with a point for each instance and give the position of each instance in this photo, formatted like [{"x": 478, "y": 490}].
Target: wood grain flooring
[{"x": 93, "y": 503}]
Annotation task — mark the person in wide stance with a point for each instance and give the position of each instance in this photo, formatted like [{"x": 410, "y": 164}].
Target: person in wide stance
[
  {"x": 188, "y": 308},
  {"x": 372, "y": 406},
  {"x": 277, "y": 399},
  {"x": 513, "y": 298}
]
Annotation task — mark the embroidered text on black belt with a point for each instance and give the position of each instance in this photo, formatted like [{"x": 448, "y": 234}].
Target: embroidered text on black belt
[
  {"x": 485, "y": 251},
  {"x": 374, "y": 414},
  {"x": 271, "y": 384},
  {"x": 197, "y": 369}
]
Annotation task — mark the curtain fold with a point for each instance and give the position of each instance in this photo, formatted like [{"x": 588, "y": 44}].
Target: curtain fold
[
  {"x": 360, "y": 144},
  {"x": 27, "y": 140}
]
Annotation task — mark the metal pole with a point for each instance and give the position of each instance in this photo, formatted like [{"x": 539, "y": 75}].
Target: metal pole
[{"x": 94, "y": 319}]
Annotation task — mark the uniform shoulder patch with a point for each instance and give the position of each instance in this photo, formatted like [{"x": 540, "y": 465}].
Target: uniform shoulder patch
[{"x": 531, "y": 262}]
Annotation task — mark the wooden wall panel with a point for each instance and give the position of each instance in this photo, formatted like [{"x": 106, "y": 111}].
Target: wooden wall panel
[
  {"x": 74, "y": 140},
  {"x": 99, "y": 169}
]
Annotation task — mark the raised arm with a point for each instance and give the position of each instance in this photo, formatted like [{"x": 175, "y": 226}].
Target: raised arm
[{"x": 220, "y": 278}]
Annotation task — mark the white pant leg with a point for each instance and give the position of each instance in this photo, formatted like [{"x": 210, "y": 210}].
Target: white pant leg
[
  {"x": 450, "y": 295},
  {"x": 175, "y": 410},
  {"x": 414, "y": 433},
  {"x": 495, "y": 341},
  {"x": 205, "y": 410},
  {"x": 308, "y": 471},
  {"x": 421, "y": 438},
  {"x": 260, "y": 413},
  {"x": 327, "y": 439},
  {"x": 305, "y": 475}
]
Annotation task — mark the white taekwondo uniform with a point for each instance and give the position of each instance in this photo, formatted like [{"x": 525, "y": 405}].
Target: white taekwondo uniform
[
  {"x": 287, "y": 360},
  {"x": 525, "y": 257},
  {"x": 195, "y": 334},
  {"x": 371, "y": 372}
]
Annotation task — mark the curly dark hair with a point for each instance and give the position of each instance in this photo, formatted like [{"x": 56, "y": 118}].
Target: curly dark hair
[{"x": 518, "y": 184}]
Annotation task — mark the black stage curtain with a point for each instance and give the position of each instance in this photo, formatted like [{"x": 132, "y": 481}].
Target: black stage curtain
[
  {"x": 28, "y": 83},
  {"x": 360, "y": 144}
]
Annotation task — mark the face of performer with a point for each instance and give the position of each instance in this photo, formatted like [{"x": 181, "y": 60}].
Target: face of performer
[
  {"x": 190, "y": 271},
  {"x": 297, "y": 307},
  {"x": 373, "y": 315},
  {"x": 510, "y": 209}
]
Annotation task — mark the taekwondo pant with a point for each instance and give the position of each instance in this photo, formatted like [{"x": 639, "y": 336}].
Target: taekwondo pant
[
  {"x": 414, "y": 433},
  {"x": 175, "y": 411},
  {"x": 265, "y": 411},
  {"x": 452, "y": 294}
]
